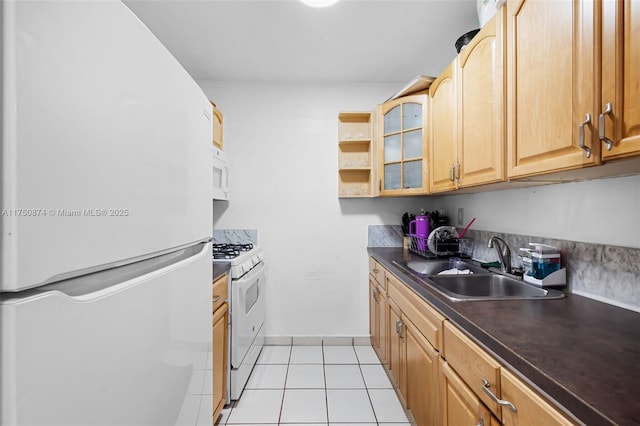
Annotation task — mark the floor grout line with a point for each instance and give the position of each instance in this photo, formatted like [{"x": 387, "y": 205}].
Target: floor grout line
[{"x": 326, "y": 388}]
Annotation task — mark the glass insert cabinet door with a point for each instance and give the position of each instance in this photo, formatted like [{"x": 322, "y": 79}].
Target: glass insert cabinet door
[{"x": 403, "y": 147}]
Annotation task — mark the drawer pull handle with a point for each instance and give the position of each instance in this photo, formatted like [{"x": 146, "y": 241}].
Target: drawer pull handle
[
  {"x": 608, "y": 109},
  {"x": 399, "y": 326},
  {"x": 586, "y": 122},
  {"x": 375, "y": 271},
  {"x": 216, "y": 298},
  {"x": 494, "y": 398},
  {"x": 480, "y": 421}
]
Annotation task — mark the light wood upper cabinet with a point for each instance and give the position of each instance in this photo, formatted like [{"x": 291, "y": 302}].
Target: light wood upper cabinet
[
  {"x": 620, "y": 78},
  {"x": 551, "y": 86},
  {"x": 443, "y": 126},
  {"x": 217, "y": 127},
  {"x": 467, "y": 140},
  {"x": 355, "y": 155},
  {"x": 481, "y": 122},
  {"x": 402, "y": 147}
]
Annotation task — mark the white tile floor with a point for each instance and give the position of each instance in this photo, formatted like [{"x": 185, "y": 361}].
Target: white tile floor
[{"x": 317, "y": 385}]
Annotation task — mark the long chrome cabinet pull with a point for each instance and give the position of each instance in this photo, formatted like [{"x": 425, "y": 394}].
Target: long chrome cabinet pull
[
  {"x": 480, "y": 421},
  {"x": 608, "y": 109},
  {"x": 494, "y": 398},
  {"x": 451, "y": 171},
  {"x": 586, "y": 122},
  {"x": 457, "y": 170},
  {"x": 375, "y": 294}
]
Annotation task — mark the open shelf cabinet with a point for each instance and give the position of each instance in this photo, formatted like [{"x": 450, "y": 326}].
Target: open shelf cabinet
[{"x": 355, "y": 155}]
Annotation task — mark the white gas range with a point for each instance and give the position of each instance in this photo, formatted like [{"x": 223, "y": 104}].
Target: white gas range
[{"x": 246, "y": 310}]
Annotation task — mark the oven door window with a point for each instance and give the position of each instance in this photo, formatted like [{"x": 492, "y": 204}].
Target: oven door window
[{"x": 251, "y": 296}]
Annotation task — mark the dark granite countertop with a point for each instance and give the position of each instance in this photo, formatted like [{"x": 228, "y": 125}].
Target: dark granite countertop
[
  {"x": 582, "y": 353},
  {"x": 220, "y": 268}
]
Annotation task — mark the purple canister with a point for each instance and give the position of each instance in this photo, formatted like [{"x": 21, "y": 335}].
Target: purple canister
[{"x": 419, "y": 229}]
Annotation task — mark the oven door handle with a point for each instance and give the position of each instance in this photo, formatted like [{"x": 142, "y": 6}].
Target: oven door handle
[{"x": 248, "y": 278}]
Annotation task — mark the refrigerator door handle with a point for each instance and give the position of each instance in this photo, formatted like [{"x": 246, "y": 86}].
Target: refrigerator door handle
[{"x": 112, "y": 281}]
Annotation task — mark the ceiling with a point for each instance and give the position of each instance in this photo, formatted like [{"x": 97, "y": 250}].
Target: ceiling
[{"x": 286, "y": 41}]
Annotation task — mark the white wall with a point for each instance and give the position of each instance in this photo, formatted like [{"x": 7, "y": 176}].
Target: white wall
[
  {"x": 282, "y": 144},
  {"x": 603, "y": 211}
]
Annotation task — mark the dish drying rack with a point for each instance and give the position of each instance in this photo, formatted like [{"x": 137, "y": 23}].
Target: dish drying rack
[{"x": 440, "y": 247}]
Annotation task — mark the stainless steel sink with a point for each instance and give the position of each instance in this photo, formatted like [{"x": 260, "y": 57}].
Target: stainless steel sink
[
  {"x": 488, "y": 287},
  {"x": 482, "y": 284},
  {"x": 434, "y": 267}
]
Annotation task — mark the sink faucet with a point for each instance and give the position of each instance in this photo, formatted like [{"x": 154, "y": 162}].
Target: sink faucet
[{"x": 504, "y": 252}]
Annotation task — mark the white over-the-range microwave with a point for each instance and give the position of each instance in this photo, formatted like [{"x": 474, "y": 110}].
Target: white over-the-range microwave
[{"x": 220, "y": 175}]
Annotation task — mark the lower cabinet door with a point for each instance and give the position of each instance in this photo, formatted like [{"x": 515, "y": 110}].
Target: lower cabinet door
[
  {"x": 396, "y": 356},
  {"x": 378, "y": 319},
  {"x": 220, "y": 344},
  {"x": 421, "y": 376},
  {"x": 374, "y": 322},
  {"x": 383, "y": 338}
]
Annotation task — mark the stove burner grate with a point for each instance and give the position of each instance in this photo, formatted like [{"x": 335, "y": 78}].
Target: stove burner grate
[{"x": 229, "y": 251}]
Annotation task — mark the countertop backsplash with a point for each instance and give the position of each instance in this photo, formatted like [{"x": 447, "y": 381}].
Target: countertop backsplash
[
  {"x": 235, "y": 236},
  {"x": 385, "y": 236},
  {"x": 606, "y": 273}
]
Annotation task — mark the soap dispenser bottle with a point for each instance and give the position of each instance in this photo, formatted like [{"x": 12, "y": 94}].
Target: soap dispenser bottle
[{"x": 545, "y": 259}]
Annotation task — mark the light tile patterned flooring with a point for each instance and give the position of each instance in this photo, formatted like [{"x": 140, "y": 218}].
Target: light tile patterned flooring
[{"x": 317, "y": 385}]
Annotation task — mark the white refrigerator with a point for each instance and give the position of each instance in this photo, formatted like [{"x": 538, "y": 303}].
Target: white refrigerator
[{"x": 106, "y": 179}]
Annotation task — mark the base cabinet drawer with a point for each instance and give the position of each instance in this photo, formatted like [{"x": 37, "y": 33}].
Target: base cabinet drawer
[
  {"x": 220, "y": 292},
  {"x": 377, "y": 272},
  {"x": 424, "y": 317},
  {"x": 460, "y": 406},
  {"x": 476, "y": 368},
  {"x": 530, "y": 408}
]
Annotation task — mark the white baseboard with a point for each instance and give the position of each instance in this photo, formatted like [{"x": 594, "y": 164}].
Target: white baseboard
[
  {"x": 277, "y": 341},
  {"x": 317, "y": 340}
]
